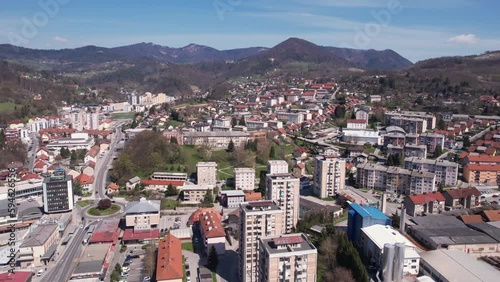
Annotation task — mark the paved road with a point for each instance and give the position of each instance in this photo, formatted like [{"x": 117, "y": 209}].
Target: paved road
[
  {"x": 67, "y": 261},
  {"x": 32, "y": 152},
  {"x": 102, "y": 167}
]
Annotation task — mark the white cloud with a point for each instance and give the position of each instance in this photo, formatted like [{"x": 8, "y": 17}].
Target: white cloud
[
  {"x": 60, "y": 39},
  {"x": 465, "y": 39}
]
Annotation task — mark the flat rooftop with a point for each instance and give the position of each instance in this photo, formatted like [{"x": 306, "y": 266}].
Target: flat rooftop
[
  {"x": 39, "y": 236},
  {"x": 92, "y": 259},
  {"x": 288, "y": 244},
  {"x": 458, "y": 266},
  {"x": 260, "y": 206}
]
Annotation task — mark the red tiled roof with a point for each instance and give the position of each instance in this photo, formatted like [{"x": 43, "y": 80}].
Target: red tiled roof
[
  {"x": 195, "y": 217},
  {"x": 419, "y": 199},
  {"x": 253, "y": 196},
  {"x": 16, "y": 276},
  {"x": 113, "y": 186},
  {"x": 29, "y": 176},
  {"x": 132, "y": 235},
  {"x": 174, "y": 183},
  {"x": 94, "y": 151},
  {"x": 483, "y": 167},
  {"x": 471, "y": 218},
  {"x": 483, "y": 158},
  {"x": 84, "y": 179},
  {"x": 463, "y": 192},
  {"x": 492, "y": 215},
  {"x": 169, "y": 264},
  {"x": 210, "y": 223},
  {"x": 107, "y": 232}
]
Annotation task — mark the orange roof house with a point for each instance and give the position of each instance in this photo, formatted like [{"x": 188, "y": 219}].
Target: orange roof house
[{"x": 169, "y": 261}]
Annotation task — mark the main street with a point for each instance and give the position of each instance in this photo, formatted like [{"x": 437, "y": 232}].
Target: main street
[
  {"x": 32, "y": 152},
  {"x": 102, "y": 166}
]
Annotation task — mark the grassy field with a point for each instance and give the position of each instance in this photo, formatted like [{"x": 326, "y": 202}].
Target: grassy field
[
  {"x": 168, "y": 204},
  {"x": 123, "y": 115},
  {"x": 97, "y": 212},
  {"x": 7, "y": 107},
  {"x": 341, "y": 218},
  {"x": 188, "y": 246},
  {"x": 84, "y": 203}
]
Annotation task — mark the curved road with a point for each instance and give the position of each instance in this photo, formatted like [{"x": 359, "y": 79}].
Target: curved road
[{"x": 68, "y": 260}]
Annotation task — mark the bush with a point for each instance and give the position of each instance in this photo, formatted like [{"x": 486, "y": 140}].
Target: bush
[{"x": 104, "y": 204}]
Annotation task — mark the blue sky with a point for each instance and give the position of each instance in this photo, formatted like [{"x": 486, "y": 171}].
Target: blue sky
[{"x": 417, "y": 29}]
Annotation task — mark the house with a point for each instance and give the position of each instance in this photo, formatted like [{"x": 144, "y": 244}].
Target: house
[
  {"x": 212, "y": 231},
  {"x": 253, "y": 196},
  {"x": 113, "y": 188},
  {"x": 426, "y": 203},
  {"x": 132, "y": 182},
  {"x": 92, "y": 155},
  {"x": 232, "y": 198},
  {"x": 169, "y": 263},
  {"x": 85, "y": 181},
  {"x": 160, "y": 185},
  {"x": 462, "y": 198},
  {"x": 353, "y": 152}
]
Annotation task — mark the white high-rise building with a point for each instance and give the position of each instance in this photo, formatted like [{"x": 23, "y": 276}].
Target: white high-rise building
[
  {"x": 78, "y": 119},
  {"x": 206, "y": 173},
  {"x": 258, "y": 219},
  {"x": 244, "y": 178},
  {"x": 277, "y": 166},
  {"x": 329, "y": 176},
  {"x": 284, "y": 189},
  {"x": 92, "y": 121}
]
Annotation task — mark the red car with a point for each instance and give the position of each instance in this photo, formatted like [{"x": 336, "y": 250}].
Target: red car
[{"x": 496, "y": 195}]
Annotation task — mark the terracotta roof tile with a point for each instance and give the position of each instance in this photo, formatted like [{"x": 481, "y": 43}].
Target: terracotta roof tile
[{"x": 169, "y": 261}]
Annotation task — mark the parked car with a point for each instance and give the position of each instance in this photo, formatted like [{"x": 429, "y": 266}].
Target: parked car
[{"x": 146, "y": 279}]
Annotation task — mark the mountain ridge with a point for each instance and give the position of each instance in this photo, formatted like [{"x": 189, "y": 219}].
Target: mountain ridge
[{"x": 196, "y": 53}]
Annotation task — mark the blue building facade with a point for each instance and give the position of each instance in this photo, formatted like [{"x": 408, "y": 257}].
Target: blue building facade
[{"x": 363, "y": 216}]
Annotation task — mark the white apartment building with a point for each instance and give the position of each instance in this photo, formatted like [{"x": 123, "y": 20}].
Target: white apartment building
[
  {"x": 329, "y": 176},
  {"x": 78, "y": 119},
  {"x": 395, "y": 179},
  {"x": 429, "y": 118},
  {"x": 284, "y": 189},
  {"x": 206, "y": 173},
  {"x": 244, "y": 178},
  {"x": 92, "y": 121},
  {"x": 446, "y": 171},
  {"x": 277, "y": 166},
  {"x": 288, "y": 257},
  {"x": 373, "y": 240},
  {"x": 216, "y": 139},
  {"x": 195, "y": 193},
  {"x": 296, "y": 118},
  {"x": 258, "y": 219}
]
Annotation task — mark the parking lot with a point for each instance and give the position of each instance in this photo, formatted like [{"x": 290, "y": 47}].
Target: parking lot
[
  {"x": 168, "y": 221},
  {"x": 135, "y": 272}
]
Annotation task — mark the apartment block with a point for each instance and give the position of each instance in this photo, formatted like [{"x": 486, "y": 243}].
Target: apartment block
[
  {"x": 216, "y": 139},
  {"x": 329, "y": 176},
  {"x": 429, "y": 118},
  {"x": 410, "y": 125},
  {"x": 277, "y": 166},
  {"x": 258, "y": 219},
  {"x": 195, "y": 193},
  {"x": 244, "y": 178},
  {"x": 446, "y": 172},
  {"x": 206, "y": 173},
  {"x": 296, "y": 118},
  {"x": 288, "y": 257},
  {"x": 284, "y": 189},
  {"x": 58, "y": 192},
  {"x": 482, "y": 173},
  {"x": 395, "y": 179},
  {"x": 432, "y": 141}
]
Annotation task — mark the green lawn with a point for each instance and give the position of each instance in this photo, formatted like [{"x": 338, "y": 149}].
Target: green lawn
[
  {"x": 130, "y": 115},
  {"x": 97, "y": 212},
  {"x": 341, "y": 218},
  {"x": 7, "y": 107},
  {"x": 188, "y": 246},
  {"x": 168, "y": 204},
  {"x": 173, "y": 123},
  {"x": 84, "y": 203}
]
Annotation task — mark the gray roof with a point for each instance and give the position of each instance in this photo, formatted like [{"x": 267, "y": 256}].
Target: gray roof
[
  {"x": 142, "y": 206},
  {"x": 4, "y": 208},
  {"x": 492, "y": 229},
  {"x": 39, "y": 236},
  {"x": 134, "y": 179}
]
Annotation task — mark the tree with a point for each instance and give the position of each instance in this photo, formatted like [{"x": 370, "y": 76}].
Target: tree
[
  {"x": 173, "y": 140},
  {"x": 395, "y": 220},
  {"x": 77, "y": 188},
  {"x": 234, "y": 121},
  {"x": 74, "y": 156},
  {"x": 272, "y": 153},
  {"x": 213, "y": 259},
  {"x": 441, "y": 187},
  {"x": 466, "y": 142},
  {"x": 230, "y": 147},
  {"x": 104, "y": 204},
  {"x": 3, "y": 139},
  {"x": 242, "y": 121},
  {"x": 438, "y": 151},
  {"x": 209, "y": 197},
  {"x": 171, "y": 191},
  {"x": 152, "y": 110}
]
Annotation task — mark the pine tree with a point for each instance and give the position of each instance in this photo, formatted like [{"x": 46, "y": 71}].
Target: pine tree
[
  {"x": 242, "y": 121},
  {"x": 171, "y": 191},
  {"x": 213, "y": 259},
  {"x": 272, "y": 153},
  {"x": 209, "y": 197},
  {"x": 230, "y": 147}
]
